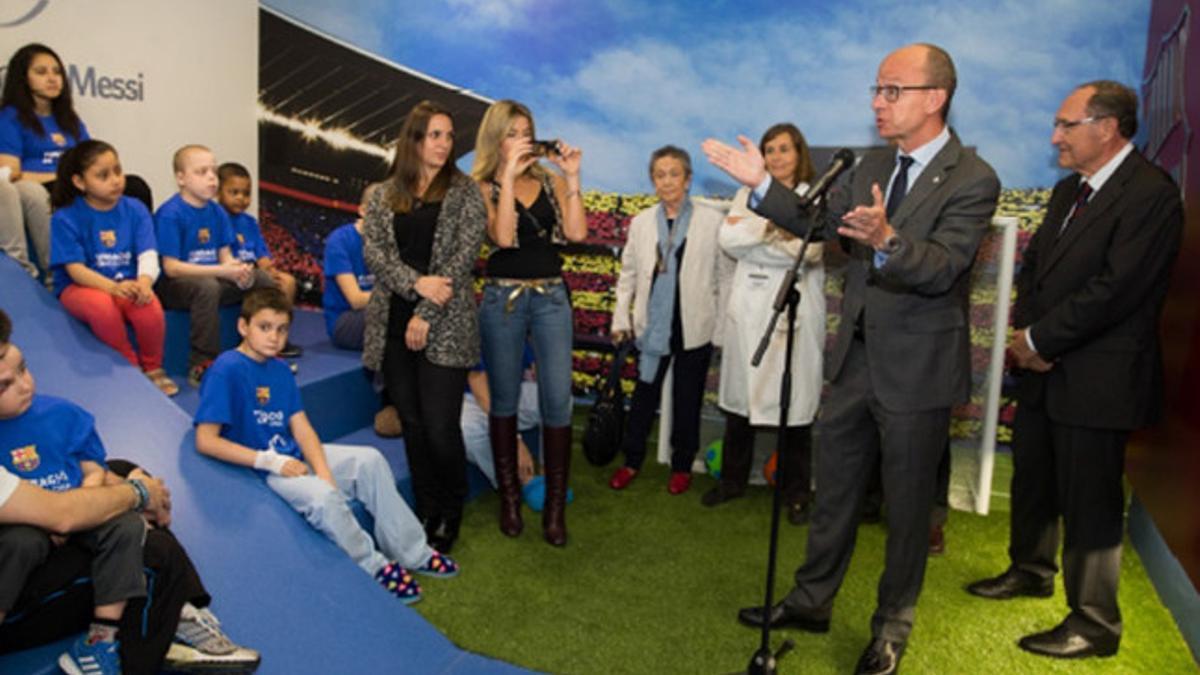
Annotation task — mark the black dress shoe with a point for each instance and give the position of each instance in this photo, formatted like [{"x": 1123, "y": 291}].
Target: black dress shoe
[
  {"x": 1012, "y": 583},
  {"x": 798, "y": 512},
  {"x": 881, "y": 657},
  {"x": 719, "y": 495},
  {"x": 784, "y": 617},
  {"x": 1063, "y": 643}
]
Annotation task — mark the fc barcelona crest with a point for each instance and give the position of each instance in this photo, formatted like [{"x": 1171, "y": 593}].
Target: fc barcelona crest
[
  {"x": 108, "y": 238},
  {"x": 263, "y": 394},
  {"x": 241, "y": 239},
  {"x": 25, "y": 459},
  {"x": 203, "y": 235},
  {"x": 58, "y": 139}
]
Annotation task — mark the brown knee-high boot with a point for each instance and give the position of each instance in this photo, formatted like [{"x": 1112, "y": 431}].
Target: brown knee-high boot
[
  {"x": 556, "y": 458},
  {"x": 503, "y": 433}
]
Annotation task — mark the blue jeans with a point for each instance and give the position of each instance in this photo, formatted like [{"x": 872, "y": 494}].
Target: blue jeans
[{"x": 545, "y": 321}]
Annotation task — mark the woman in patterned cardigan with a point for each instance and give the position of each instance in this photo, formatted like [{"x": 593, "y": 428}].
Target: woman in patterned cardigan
[{"x": 421, "y": 236}]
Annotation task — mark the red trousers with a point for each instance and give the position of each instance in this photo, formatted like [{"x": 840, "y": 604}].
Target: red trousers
[{"x": 106, "y": 314}]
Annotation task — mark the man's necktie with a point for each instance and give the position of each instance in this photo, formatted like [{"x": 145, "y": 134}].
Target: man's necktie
[
  {"x": 1081, "y": 200},
  {"x": 899, "y": 186}
]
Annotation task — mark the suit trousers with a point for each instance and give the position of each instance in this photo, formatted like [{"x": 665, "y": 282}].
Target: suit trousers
[
  {"x": 854, "y": 433},
  {"x": 1074, "y": 473}
]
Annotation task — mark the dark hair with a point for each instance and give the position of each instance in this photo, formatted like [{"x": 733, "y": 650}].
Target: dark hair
[
  {"x": 406, "y": 167},
  {"x": 231, "y": 170},
  {"x": 5, "y": 328},
  {"x": 939, "y": 68},
  {"x": 1113, "y": 99},
  {"x": 673, "y": 152},
  {"x": 17, "y": 94},
  {"x": 804, "y": 166},
  {"x": 267, "y": 297},
  {"x": 75, "y": 162}
]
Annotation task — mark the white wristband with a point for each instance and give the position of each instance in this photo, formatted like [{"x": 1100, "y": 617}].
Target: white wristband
[{"x": 269, "y": 460}]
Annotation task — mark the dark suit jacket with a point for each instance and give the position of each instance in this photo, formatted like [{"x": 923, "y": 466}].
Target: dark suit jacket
[
  {"x": 1092, "y": 298},
  {"x": 915, "y": 306}
]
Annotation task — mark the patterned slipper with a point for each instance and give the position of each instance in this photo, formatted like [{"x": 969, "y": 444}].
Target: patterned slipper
[
  {"x": 397, "y": 581},
  {"x": 438, "y": 565},
  {"x": 163, "y": 381}
]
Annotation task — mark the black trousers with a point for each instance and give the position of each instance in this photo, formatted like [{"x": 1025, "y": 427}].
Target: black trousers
[
  {"x": 687, "y": 395},
  {"x": 795, "y": 458},
  {"x": 856, "y": 432},
  {"x": 57, "y": 601},
  {"x": 1074, "y": 473},
  {"x": 429, "y": 399},
  {"x": 203, "y": 297}
]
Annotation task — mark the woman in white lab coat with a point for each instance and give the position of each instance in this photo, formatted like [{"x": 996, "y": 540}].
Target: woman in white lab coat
[{"x": 749, "y": 396}]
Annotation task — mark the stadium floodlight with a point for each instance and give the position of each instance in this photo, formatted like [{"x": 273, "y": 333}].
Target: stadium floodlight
[{"x": 312, "y": 131}]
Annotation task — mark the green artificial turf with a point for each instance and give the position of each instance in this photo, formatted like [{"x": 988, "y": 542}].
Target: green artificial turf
[{"x": 651, "y": 583}]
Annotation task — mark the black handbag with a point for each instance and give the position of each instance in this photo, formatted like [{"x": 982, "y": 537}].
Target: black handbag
[{"x": 606, "y": 421}]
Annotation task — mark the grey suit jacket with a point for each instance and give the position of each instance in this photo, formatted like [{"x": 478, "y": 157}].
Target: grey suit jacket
[{"x": 914, "y": 308}]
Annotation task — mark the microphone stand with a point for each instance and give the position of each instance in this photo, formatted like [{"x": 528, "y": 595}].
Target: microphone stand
[{"x": 764, "y": 661}]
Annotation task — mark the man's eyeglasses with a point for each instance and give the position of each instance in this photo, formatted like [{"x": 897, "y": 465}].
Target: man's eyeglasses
[
  {"x": 891, "y": 92},
  {"x": 1067, "y": 125}
]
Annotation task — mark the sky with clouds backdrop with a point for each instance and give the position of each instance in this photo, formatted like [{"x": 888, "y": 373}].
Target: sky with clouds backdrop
[{"x": 622, "y": 77}]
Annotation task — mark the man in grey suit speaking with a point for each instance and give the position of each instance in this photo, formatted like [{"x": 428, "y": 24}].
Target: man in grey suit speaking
[{"x": 910, "y": 225}]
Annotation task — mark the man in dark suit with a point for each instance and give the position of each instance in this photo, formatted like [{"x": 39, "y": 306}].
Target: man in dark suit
[
  {"x": 1089, "y": 297},
  {"x": 910, "y": 225}
]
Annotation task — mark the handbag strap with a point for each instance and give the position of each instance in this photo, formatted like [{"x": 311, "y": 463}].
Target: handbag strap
[{"x": 613, "y": 383}]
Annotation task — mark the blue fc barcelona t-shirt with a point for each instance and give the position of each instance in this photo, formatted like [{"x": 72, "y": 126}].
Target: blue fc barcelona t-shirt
[
  {"x": 248, "y": 242},
  {"x": 38, "y": 152},
  {"x": 252, "y": 402},
  {"x": 46, "y": 443},
  {"x": 108, "y": 242},
  {"x": 192, "y": 234},
  {"x": 343, "y": 255}
]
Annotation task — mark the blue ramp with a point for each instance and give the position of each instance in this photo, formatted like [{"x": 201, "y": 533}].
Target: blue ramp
[{"x": 277, "y": 584}]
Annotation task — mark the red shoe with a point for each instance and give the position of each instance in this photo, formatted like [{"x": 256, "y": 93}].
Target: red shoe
[
  {"x": 622, "y": 478},
  {"x": 680, "y": 482}
]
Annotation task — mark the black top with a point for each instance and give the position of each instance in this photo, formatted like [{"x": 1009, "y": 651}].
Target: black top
[
  {"x": 676, "y": 315},
  {"x": 536, "y": 257},
  {"x": 414, "y": 234}
]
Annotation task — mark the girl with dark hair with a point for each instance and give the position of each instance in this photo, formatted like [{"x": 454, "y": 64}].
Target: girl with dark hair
[
  {"x": 750, "y": 395},
  {"x": 104, "y": 257},
  {"x": 531, "y": 214},
  {"x": 38, "y": 123},
  {"x": 421, "y": 236}
]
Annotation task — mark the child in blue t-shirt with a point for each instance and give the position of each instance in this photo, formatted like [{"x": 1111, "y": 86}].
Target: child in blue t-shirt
[
  {"x": 200, "y": 272},
  {"x": 348, "y": 282},
  {"x": 233, "y": 193},
  {"x": 250, "y": 414},
  {"x": 104, "y": 257}
]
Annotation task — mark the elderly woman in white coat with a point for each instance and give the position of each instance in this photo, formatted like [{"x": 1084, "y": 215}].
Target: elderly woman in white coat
[
  {"x": 749, "y": 396},
  {"x": 667, "y": 299}
]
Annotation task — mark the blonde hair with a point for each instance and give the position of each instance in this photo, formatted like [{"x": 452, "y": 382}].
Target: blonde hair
[
  {"x": 493, "y": 129},
  {"x": 182, "y": 153}
]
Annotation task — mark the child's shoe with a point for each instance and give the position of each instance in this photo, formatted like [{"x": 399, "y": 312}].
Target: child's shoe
[
  {"x": 397, "y": 581},
  {"x": 438, "y": 565},
  {"x": 200, "y": 643},
  {"x": 97, "y": 658},
  {"x": 196, "y": 373},
  {"x": 163, "y": 381}
]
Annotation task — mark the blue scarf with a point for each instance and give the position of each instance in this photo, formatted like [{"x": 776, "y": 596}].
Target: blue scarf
[{"x": 655, "y": 342}]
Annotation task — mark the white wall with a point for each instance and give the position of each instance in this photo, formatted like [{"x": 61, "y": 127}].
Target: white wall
[{"x": 190, "y": 68}]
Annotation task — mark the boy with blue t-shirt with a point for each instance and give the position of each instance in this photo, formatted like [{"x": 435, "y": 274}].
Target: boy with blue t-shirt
[
  {"x": 233, "y": 193},
  {"x": 199, "y": 270},
  {"x": 348, "y": 283},
  {"x": 250, "y": 414},
  {"x": 52, "y": 443}
]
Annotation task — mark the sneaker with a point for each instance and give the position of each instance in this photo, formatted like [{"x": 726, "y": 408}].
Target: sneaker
[
  {"x": 200, "y": 631},
  {"x": 184, "y": 659},
  {"x": 99, "y": 658},
  {"x": 438, "y": 565},
  {"x": 387, "y": 422},
  {"x": 291, "y": 351},
  {"x": 196, "y": 373},
  {"x": 163, "y": 381},
  {"x": 534, "y": 493},
  {"x": 397, "y": 581}
]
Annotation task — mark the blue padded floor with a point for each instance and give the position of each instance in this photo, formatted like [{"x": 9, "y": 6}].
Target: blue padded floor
[{"x": 278, "y": 585}]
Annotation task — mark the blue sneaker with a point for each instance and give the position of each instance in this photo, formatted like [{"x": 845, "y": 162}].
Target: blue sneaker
[
  {"x": 100, "y": 658},
  {"x": 534, "y": 493}
]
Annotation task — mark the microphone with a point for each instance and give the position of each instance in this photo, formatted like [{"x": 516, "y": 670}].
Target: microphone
[{"x": 842, "y": 159}]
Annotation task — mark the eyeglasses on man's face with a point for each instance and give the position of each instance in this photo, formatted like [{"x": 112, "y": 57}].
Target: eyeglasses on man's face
[
  {"x": 1066, "y": 125},
  {"x": 891, "y": 92}
]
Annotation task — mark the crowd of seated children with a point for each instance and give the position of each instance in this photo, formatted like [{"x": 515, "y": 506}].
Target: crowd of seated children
[
  {"x": 250, "y": 415},
  {"x": 52, "y": 443}
]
